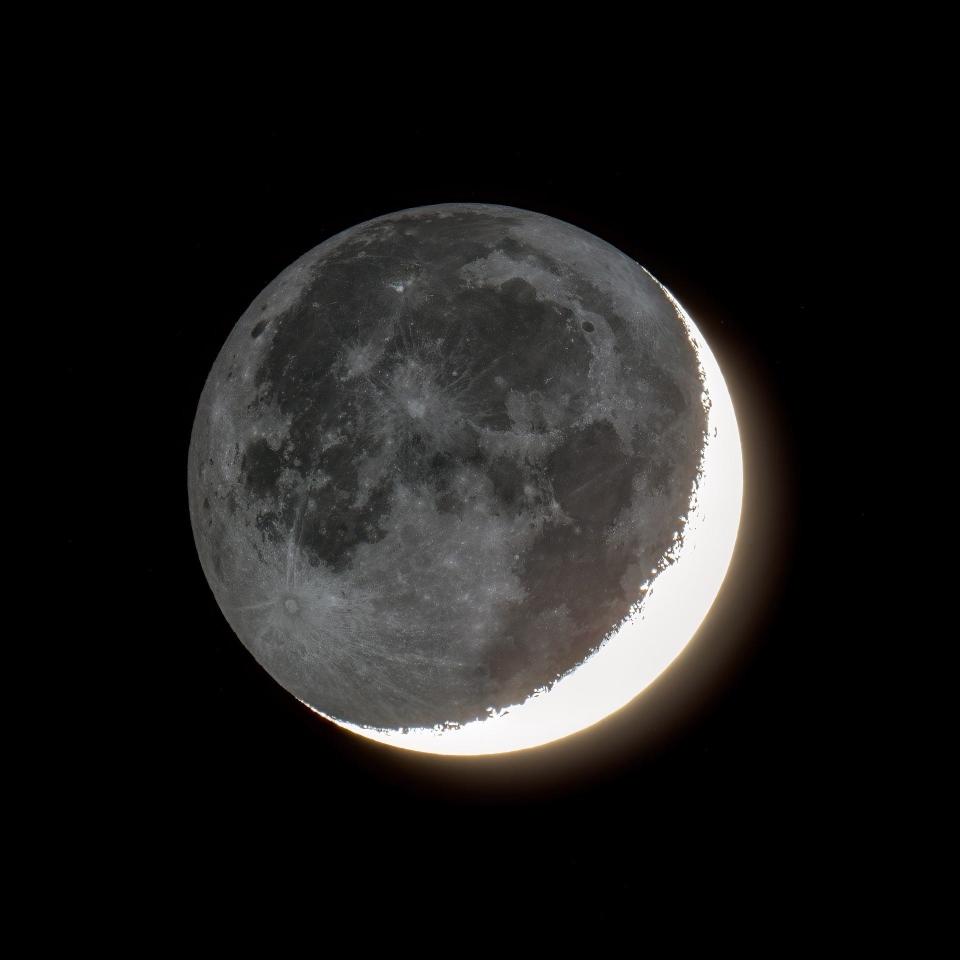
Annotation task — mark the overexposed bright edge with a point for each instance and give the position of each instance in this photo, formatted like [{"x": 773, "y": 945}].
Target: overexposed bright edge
[{"x": 673, "y": 607}]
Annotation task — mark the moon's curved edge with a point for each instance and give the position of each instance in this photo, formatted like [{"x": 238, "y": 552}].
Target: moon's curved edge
[{"x": 664, "y": 620}]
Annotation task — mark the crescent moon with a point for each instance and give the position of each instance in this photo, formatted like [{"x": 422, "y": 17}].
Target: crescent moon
[{"x": 648, "y": 641}]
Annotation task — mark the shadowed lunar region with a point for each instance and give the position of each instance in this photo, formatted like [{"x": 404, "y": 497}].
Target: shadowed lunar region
[{"x": 464, "y": 479}]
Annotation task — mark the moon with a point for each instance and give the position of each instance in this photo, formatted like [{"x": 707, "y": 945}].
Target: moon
[{"x": 465, "y": 479}]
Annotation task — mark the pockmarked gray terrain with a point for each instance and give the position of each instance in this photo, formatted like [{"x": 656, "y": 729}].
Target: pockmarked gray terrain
[{"x": 438, "y": 459}]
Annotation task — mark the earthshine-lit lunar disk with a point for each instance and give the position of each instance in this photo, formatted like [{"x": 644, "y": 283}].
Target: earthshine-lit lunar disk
[{"x": 465, "y": 479}]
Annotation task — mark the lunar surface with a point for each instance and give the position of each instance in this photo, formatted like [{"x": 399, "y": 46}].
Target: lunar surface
[{"x": 442, "y": 466}]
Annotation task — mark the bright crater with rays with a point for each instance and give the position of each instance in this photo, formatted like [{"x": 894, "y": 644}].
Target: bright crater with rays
[{"x": 465, "y": 479}]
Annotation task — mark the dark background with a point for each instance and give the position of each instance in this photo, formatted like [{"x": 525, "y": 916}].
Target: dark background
[{"x": 742, "y": 774}]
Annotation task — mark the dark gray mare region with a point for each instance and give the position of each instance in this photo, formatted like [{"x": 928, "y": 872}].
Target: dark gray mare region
[{"x": 439, "y": 457}]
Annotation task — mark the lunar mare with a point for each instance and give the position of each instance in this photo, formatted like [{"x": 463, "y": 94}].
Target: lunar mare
[{"x": 464, "y": 479}]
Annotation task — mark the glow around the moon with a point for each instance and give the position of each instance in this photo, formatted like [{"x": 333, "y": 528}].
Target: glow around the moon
[{"x": 666, "y": 617}]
